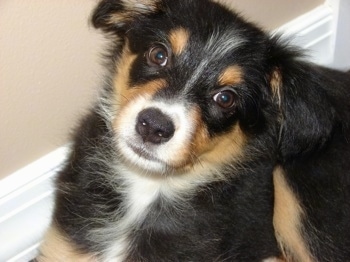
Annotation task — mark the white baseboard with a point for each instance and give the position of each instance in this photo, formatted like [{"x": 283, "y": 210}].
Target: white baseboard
[
  {"x": 341, "y": 39},
  {"x": 313, "y": 32},
  {"x": 26, "y": 196},
  {"x": 26, "y": 199}
]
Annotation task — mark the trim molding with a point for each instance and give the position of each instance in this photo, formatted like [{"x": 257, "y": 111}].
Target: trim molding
[
  {"x": 26, "y": 197},
  {"x": 26, "y": 201},
  {"x": 313, "y": 32},
  {"x": 341, "y": 38}
]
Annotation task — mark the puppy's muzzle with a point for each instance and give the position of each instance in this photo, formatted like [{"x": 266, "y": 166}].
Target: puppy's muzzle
[{"x": 154, "y": 126}]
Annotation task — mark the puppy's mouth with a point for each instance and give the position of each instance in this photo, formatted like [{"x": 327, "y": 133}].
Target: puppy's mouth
[
  {"x": 140, "y": 155},
  {"x": 142, "y": 152}
]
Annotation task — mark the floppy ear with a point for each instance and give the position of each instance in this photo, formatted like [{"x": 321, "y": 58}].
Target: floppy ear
[
  {"x": 306, "y": 115},
  {"x": 115, "y": 16}
]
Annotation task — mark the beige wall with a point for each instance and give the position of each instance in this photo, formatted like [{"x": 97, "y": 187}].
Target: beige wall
[
  {"x": 49, "y": 69},
  {"x": 48, "y": 72},
  {"x": 273, "y": 13}
]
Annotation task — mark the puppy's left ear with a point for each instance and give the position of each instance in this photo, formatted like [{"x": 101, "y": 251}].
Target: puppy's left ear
[
  {"x": 306, "y": 117},
  {"x": 115, "y": 16}
]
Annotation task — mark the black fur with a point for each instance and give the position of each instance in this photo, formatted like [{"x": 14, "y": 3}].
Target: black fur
[
  {"x": 305, "y": 131},
  {"x": 315, "y": 153}
]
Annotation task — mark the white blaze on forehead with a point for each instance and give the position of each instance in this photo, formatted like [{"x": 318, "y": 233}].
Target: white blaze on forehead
[
  {"x": 219, "y": 45},
  {"x": 140, "y": 5}
]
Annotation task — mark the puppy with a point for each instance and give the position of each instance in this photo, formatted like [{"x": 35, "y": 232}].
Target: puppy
[{"x": 211, "y": 141}]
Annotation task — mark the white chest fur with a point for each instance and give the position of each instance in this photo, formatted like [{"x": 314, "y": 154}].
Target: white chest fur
[{"x": 139, "y": 192}]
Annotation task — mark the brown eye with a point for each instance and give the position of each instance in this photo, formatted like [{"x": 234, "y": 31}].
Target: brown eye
[
  {"x": 225, "y": 99},
  {"x": 158, "y": 56}
]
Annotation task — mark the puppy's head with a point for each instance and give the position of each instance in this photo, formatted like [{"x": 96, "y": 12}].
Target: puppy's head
[{"x": 189, "y": 82}]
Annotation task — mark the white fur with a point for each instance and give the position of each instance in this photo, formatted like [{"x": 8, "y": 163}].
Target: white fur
[
  {"x": 139, "y": 186},
  {"x": 272, "y": 259},
  {"x": 139, "y": 192},
  {"x": 140, "y": 6},
  {"x": 218, "y": 46},
  {"x": 162, "y": 153}
]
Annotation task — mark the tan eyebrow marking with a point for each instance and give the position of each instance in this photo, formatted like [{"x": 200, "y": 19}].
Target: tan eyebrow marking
[
  {"x": 178, "y": 39},
  {"x": 232, "y": 75}
]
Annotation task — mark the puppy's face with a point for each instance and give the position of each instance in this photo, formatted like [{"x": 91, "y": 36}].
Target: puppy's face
[{"x": 187, "y": 86}]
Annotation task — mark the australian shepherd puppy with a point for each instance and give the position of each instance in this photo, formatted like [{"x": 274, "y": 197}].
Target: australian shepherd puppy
[{"x": 211, "y": 141}]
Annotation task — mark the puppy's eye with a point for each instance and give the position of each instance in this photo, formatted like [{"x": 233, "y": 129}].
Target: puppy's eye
[
  {"x": 225, "y": 99},
  {"x": 158, "y": 56}
]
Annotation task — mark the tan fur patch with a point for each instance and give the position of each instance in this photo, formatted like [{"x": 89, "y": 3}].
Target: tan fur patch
[
  {"x": 148, "y": 89},
  {"x": 232, "y": 75},
  {"x": 178, "y": 39},
  {"x": 287, "y": 220},
  {"x": 126, "y": 93},
  {"x": 56, "y": 247},
  {"x": 206, "y": 151},
  {"x": 274, "y": 259},
  {"x": 276, "y": 85},
  {"x": 119, "y": 18},
  {"x": 222, "y": 149},
  {"x": 132, "y": 9},
  {"x": 121, "y": 81}
]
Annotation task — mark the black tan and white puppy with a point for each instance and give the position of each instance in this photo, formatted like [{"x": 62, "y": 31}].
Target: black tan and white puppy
[{"x": 211, "y": 141}]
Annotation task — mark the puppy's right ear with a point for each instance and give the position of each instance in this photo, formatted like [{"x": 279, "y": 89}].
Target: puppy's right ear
[{"x": 116, "y": 16}]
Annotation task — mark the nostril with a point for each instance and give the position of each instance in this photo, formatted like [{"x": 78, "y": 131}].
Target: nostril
[
  {"x": 142, "y": 128},
  {"x": 154, "y": 126}
]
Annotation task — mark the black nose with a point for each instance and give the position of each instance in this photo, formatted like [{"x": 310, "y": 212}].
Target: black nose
[{"x": 154, "y": 126}]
